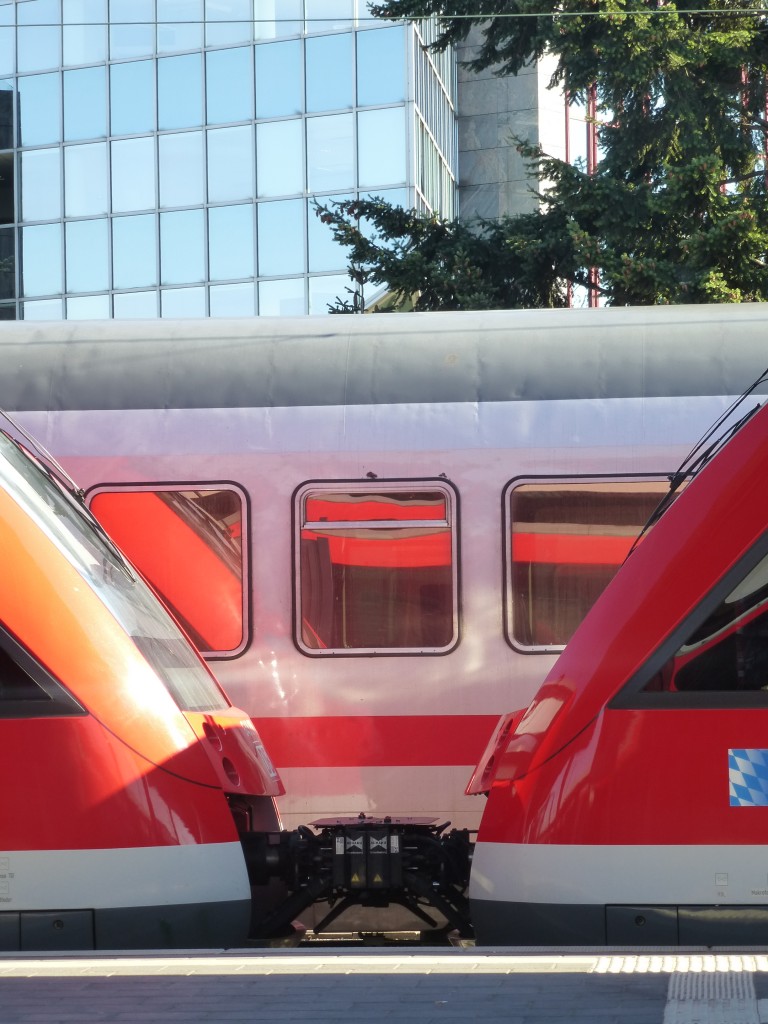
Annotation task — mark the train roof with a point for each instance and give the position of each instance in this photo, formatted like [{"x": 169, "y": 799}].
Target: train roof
[{"x": 515, "y": 355}]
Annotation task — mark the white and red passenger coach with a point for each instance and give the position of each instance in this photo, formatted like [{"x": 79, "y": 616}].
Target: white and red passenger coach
[{"x": 381, "y": 529}]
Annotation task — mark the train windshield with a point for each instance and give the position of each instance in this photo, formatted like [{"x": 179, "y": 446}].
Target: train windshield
[
  {"x": 729, "y": 650},
  {"x": 129, "y": 599}
]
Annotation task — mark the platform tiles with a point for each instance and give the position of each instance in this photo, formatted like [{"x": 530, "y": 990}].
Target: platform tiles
[{"x": 429, "y": 987}]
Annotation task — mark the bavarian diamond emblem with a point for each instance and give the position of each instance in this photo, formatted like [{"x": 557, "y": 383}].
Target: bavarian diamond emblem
[{"x": 748, "y": 778}]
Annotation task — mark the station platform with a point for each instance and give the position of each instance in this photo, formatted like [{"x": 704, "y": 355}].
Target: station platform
[{"x": 378, "y": 985}]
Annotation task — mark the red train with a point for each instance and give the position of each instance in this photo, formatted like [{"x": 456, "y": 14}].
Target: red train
[
  {"x": 129, "y": 778},
  {"x": 629, "y": 803}
]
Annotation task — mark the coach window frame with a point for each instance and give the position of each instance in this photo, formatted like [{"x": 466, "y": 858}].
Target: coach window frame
[
  {"x": 393, "y": 485},
  {"x": 224, "y": 654},
  {"x": 508, "y": 599}
]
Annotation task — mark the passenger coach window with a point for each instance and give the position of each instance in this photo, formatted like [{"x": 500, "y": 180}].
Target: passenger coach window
[
  {"x": 375, "y": 568},
  {"x": 565, "y": 541},
  {"x": 187, "y": 543}
]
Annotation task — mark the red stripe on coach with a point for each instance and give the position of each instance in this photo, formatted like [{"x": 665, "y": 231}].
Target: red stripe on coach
[{"x": 381, "y": 741}]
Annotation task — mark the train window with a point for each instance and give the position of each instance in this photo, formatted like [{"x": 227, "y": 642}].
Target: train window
[
  {"x": 728, "y": 652},
  {"x": 565, "y": 540},
  {"x": 187, "y": 543},
  {"x": 375, "y": 568},
  {"x": 27, "y": 690},
  {"x": 15, "y": 684}
]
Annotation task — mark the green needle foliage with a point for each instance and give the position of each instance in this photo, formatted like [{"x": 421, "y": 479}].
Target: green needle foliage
[
  {"x": 676, "y": 210},
  {"x": 427, "y": 263}
]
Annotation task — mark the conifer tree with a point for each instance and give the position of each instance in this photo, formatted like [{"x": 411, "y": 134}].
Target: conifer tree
[{"x": 676, "y": 210}]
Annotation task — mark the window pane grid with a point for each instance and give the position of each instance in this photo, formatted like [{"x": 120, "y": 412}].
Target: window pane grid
[{"x": 108, "y": 83}]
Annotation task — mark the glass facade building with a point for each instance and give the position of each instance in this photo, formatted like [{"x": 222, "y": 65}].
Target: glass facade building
[{"x": 164, "y": 157}]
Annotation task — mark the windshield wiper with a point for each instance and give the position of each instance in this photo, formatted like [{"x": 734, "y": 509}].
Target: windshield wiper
[{"x": 703, "y": 452}]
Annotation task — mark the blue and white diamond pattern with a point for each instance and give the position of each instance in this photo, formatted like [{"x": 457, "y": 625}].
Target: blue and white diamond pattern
[{"x": 748, "y": 778}]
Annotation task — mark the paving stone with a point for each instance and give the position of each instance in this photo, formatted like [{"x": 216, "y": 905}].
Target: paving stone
[{"x": 474, "y": 987}]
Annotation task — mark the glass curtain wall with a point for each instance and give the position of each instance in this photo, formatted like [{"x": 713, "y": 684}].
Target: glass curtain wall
[{"x": 164, "y": 157}]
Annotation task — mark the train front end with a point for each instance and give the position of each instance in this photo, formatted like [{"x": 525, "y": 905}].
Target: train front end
[
  {"x": 129, "y": 778},
  {"x": 629, "y": 804}
]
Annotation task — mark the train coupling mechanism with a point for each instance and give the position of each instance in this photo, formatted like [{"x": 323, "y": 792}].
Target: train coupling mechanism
[{"x": 366, "y": 862}]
